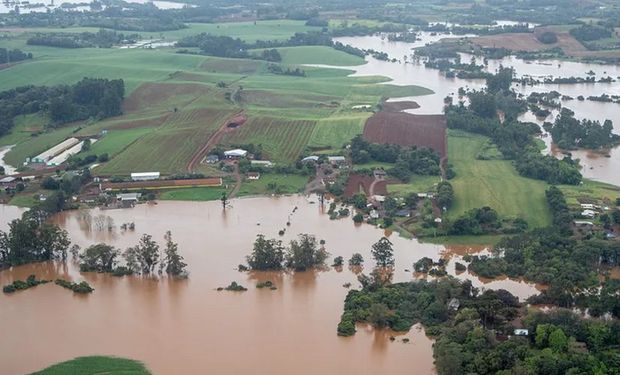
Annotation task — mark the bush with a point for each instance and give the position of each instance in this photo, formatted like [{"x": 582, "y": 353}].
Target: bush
[
  {"x": 338, "y": 261},
  {"x": 82, "y": 288},
  {"x": 122, "y": 271},
  {"x": 346, "y": 327},
  {"x": 265, "y": 284},
  {"x": 235, "y": 287},
  {"x": 358, "y": 218}
]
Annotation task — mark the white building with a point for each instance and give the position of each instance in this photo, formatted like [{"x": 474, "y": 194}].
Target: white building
[
  {"x": 262, "y": 163},
  {"x": 235, "y": 154},
  {"x": 588, "y": 213},
  {"x": 336, "y": 160},
  {"x": 49, "y": 154},
  {"x": 145, "y": 176},
  {"x": 311, "y": 158}
]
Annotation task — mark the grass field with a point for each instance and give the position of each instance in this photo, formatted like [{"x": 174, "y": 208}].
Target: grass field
[
  {"x": 273, "y": 184},
  {"x": 418, "y": 184},
  {"x": 282, "y": 140},
  {"x": 337, "y": 130},
  {"x": 317, "y": 55},
  {"x": 591, "y": 190},
  {"x": 493, "y": 183},
  {"x": 174, "y": 102},
  {"x": 193, "y": 194},
  {"x": 96, "y": 366}
]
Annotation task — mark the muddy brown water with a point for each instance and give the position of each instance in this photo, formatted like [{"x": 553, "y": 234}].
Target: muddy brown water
[{"x": 186, "y": 326}]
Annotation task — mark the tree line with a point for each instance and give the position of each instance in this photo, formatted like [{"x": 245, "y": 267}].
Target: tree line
[
  {"x": 101, "y": 39},
  {"x": 514, "y": 139},
  {"x": 569, "y": 266},
  {"x": 90, "y": 97},
  {"x": 145, "y": 258},
  {"x": 225, "y": 46},
  {"x": 406, "y": 160},
  {"x": 13, "y": 55}
]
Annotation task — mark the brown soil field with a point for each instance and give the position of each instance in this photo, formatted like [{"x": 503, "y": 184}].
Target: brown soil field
[
  {"x": 150, "y": 95},
  {"x": 399, "y": 106},
  {"x": 162, "y": 184},
  {"x": 361, "y": 183},
  {"x": 527, "y": 42},
  {"x": 406, "y": 129}
]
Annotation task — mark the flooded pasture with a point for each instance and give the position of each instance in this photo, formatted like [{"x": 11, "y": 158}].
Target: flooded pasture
[
  {"x": 596, "y": 166},
  {"x": 170, "y": 324}
]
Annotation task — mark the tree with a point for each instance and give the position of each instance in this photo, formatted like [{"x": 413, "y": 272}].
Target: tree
[
  {"x": 304, "y": 253},
  {"x": 143, "y": 257},
  {"x": 338, "y": 261},
  {"x": 356, "y": 260},
  {"x": 99, "y": 258},
  {"x": 383, "y": 252},
  {"x": 174, "y": 264},
  {"x": 379, "y": 315},
  {"x": 268, "y": 254}
]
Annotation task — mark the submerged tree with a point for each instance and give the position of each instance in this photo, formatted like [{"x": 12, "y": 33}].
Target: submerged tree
[
  {"x": 173, "y": 262},
  {"x": 305, "y": 253},
  {"x": 99, "y": 258},
  {"x": 143, "y": 257},
  {"x": 268, "y": 254},
  {"x": 383, "y": 253}
]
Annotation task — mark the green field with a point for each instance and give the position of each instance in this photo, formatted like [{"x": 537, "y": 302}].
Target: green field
[
  {"x": 418, "y": 184},
  {"x": 273, "y": 184},
  {"x": 493, "y": 183},
  {"x": 337, "y": 130},
  {"x": 96, "y": 366},
  {"x": 175, "y": 102},
  {"x": 282, "y": 140},
  {"x": 317, "y": 55}
]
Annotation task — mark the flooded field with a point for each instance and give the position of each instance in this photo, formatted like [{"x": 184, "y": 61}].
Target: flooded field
[
  {"x": 595, "y": 165},
  {"x": 169, "y": 323}
]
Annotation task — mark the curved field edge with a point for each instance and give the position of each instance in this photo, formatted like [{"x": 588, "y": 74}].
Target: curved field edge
[{"x": 96, "y": 365}]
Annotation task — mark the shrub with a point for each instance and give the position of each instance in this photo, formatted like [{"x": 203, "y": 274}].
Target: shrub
[
  {"x": 235, "y": 287},
  {"x": 338, "y": 261},
  {"x": 264, "y": 284},
  {"x": 356, "y": 260},
  {"x": 346, "y": 327},
  {"x": 358, "y": 218}
]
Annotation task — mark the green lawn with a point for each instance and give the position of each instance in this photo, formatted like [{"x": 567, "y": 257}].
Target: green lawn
[
  {"x": 493, "y": 183},
  {"x": 96, "y": 366},
  {"x": 284, "y": 184},
  {"x": 193, "y": 194},
  {"x": 417, "y": 184}
]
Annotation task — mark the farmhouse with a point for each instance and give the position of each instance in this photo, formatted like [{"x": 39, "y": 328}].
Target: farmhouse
[
  {"x": 588, "y": 206},
  {"x": 145, "y": 176},
  {"x": 521, "y": 332},
  {"x": 128, "y": 199},
  {"x": 235, "y": 154},
  {"x": 212, "y": 159},
  {"x": 583, "y": 224},
  {"x": 336, "y": 160},
  {"x": 310, "y": 159},
  {"x": 588, "y": 213},
  {"x": 7, "y": 181},
  {"x": 261, "y": 163},
  {"x": 380, "y": 174},
  {"x": 253, "y": 175}
]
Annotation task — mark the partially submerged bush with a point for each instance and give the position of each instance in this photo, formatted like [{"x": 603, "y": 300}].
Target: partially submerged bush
[
  {"x": 234, "y": 287},
  {"x": 22, "y": 285},
  {"x": 82, "y": 287},
  {"x": 264, "y": 284}
]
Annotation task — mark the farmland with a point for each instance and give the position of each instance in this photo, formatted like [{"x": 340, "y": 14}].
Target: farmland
[
  {"x": 176, "y": 102},
  {"x": 408, "y": 130},
  {"x": 493, "y": 183},
  {"x": 282, "y": 140}
]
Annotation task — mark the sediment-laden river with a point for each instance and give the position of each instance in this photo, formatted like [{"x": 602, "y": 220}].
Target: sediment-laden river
[{"x": 186, "y": 326}]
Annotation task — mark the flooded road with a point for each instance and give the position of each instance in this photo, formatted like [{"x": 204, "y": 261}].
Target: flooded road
[
  {"x": 8, "y": 169},
  {"x": 168, "y": 324},
  {"x": 595, "y": 166}
]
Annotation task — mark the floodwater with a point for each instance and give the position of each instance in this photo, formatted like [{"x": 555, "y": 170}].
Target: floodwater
[
  {"x": 596, "y": 166},
  {"x": 169, "y": 324},
  {"x": 44, "y": 5},
  {"x": 8, "y": 169}
]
